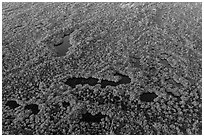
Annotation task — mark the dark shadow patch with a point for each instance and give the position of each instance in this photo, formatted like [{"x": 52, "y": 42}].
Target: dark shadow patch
[
  {"x": 65, "y": 104},
  {"x": 105, "y": 83},
  {"x": 123, "y": 78},
  {"x": 33, "y": 107},
  {"x": 12, "y": 104},
  {"x": 148, "y": 97},
  {"x": 73, "y": 82},
  {"x": 88, "y": 117}
]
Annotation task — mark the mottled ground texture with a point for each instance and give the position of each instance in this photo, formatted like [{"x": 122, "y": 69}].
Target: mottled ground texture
[{"x": 101, "y": 68}]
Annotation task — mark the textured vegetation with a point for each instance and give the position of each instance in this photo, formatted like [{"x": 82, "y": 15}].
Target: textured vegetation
[{"x": 127, "y": 68}]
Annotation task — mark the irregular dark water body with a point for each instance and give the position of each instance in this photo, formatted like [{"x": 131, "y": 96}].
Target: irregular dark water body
[
  {"x": 33, "y": 107},
  {"x": 72, "y": 82},
  {"x": 12, "y": 104},
  {"x": 88, "y": 117},
  {"x": 148, "y": 97},
  {"x": 65, "y": 104},
  {"x": 124, "y": 79}
]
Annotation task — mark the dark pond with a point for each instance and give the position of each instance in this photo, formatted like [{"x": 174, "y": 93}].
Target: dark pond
[
  {"x": 148, "y": 97},
  {"x": 33, "y": 107},
  {"x": 88, "y": 117},
  {"x": 72, "y": 82},
  {"x": 65, "y": 104},
  {"x": 12, "y": 104}
]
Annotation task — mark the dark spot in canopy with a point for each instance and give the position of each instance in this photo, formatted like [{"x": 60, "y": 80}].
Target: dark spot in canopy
[
  {"x": 33, "y": 107},
  {"x": 12, "y": 104},
  {"x": 88, "y": 117},
  {"x": 65, "y": 104},
  {"x": 148, "y": 97}
]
